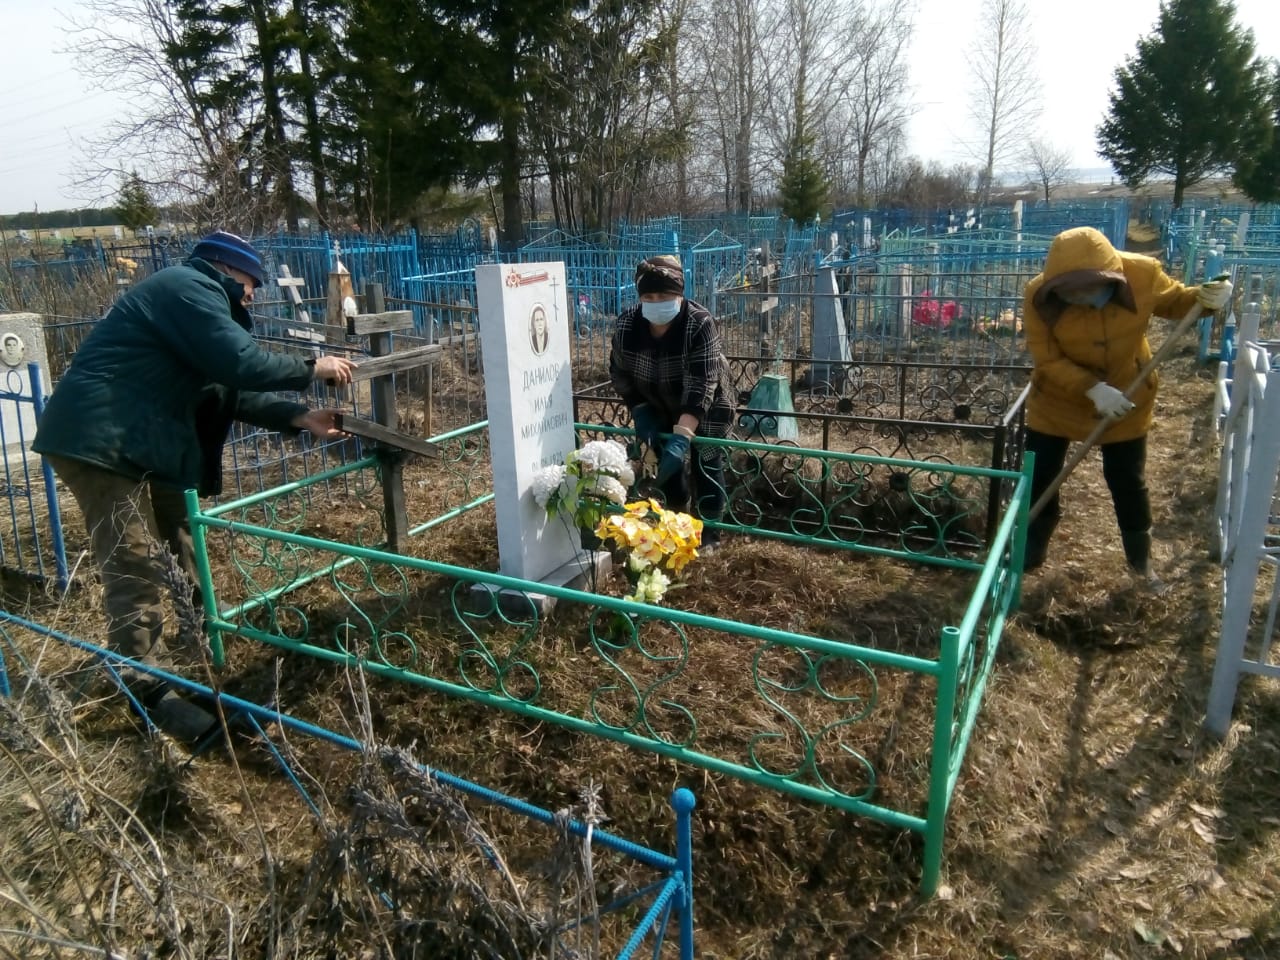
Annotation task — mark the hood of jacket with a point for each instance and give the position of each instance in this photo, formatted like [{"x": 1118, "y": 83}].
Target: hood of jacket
[{"x": 1079, "y": 257}]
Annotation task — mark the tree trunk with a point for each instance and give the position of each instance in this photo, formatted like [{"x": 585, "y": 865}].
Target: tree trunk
[
  {"x": 742, "y": 164},
  {"x": 275, "y": 140},
  {"x": 311, "y": 112},
  {"x": 509, "y": 178}
]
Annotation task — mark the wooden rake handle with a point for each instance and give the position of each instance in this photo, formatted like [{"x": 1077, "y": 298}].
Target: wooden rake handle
[{"x": 1082, "y": 450}]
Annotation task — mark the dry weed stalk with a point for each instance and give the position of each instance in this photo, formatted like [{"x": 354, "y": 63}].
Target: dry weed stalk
[{"x": 411, "y": 862}]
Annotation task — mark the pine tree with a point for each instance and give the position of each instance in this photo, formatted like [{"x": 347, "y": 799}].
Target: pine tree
[
  {"x": 803, "y": 187},
  {"x": 135, "y": 208},
  {"x": 1192, "y": 102},
  {"x": 1259, "y": 176}
]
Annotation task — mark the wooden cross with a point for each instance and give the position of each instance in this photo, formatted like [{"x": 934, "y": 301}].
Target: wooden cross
[
  {"x": 378, "y": 325},
  {"x": 768, "y": 303},
  {"x": 293, "y": 285},
  {"x": 311, "y": 332}
]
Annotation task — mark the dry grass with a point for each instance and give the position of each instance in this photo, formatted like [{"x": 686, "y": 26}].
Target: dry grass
[{"x": 1093, "y": 817}]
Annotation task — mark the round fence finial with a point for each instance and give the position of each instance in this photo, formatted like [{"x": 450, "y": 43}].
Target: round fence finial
[{"x": 683, "y": 800}]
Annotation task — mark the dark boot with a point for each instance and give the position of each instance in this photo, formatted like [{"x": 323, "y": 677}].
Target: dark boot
[
  {"x": 1036, "y": 554},
  {"x": 1137, "y": 550},
  {"x": 1039, "y": 534},
  {"x": 178, "y": 717}
]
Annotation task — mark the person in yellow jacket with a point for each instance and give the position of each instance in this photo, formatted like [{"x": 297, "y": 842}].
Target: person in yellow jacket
[{"x": 1086, "y": 318}]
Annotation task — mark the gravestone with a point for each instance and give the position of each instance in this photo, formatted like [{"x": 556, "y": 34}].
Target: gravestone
[
  {"x": 21, "y": 343},
  {"x": 772, "y": 392},
  {"x": 831, "y": 355},
  {"x": 524, "y": 341}
]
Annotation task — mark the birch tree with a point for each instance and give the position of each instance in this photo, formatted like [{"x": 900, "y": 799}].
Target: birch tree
[{"x": 1006, "y": 93}]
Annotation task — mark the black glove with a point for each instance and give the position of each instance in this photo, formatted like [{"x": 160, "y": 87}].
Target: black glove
[
  {"x": 647, "y": 424},
  {"x": 675, "y": 453}
]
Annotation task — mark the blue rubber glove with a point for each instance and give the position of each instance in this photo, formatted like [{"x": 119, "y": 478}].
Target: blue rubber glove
[
  {"x": 675, "y": 453},
  {"x": 647, "y": 426}
]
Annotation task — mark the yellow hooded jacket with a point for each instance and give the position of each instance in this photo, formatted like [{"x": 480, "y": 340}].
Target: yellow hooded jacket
[{"x": 1073, "y": 347}]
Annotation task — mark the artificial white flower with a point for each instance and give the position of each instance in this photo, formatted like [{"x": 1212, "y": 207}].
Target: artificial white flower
[
  {"x": 546, "y": 482},
  {"x": 603, "y": 456},
  {"x": 603, "y": 485},
  {"x": 638, "y": 563},
  {"x": 651, "y": 587},
  {"x": 626, "y": 475}
]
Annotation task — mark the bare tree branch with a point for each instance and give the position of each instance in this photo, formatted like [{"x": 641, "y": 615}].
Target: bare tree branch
[
  {"x": 1050, "y": 165},
  {"x": 1006, "y": 95}
]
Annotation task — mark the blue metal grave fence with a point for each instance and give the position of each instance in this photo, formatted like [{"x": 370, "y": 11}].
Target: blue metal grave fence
[
  {"x": 31, "y": 542},
  {"x": 669, "y": 898}
]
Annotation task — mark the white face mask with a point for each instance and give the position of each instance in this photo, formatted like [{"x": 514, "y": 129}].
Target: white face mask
[{"x": 660, "y": 312}]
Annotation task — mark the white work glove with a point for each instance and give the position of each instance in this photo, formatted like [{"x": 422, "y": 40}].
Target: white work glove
[
  {"x": 1110, "y": 402},
  {"x": 1214, "y": 295}
]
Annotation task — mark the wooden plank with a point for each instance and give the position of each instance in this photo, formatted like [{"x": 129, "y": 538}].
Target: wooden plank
[
  {"x": 363, "y": 323},
  {"x": 385, "y": 435},
  {"x": 395, "y": 514},
  {"x": 314, "y": 330},
  {"x": 292, "y": 283},
  {"x": 394, "y": 362}
]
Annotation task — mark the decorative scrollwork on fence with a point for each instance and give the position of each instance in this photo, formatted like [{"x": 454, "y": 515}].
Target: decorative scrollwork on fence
[
  {"x": 922, "y": 511},
  {"x": 601, "y": 405},
  {"x": 372, "y": 627},
  {"x": 789, "y": 679},
  {"x": 462, "y": 472},
  {"x": 631, "y": 701},
  {"x": 481, "y": 665}
]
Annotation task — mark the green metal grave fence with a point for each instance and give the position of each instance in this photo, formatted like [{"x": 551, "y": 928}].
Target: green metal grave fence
[{"x": 634, "y": 673}]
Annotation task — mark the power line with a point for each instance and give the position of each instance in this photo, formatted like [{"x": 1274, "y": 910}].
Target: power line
[
  {"x": 35, "y": 82},
  {"x": 62, "y": 106}
]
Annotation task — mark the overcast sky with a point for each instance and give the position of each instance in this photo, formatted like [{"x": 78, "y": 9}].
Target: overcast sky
[{"x": 47, "y": 110}]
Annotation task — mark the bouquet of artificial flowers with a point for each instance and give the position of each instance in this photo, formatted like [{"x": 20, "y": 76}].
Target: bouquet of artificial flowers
[
  {"x": 590, "y": 490},
  {"x": 592, "y": 479},
  {"x": 659, "y": 544}
]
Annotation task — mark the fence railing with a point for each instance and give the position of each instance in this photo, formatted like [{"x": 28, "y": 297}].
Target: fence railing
[
  {"x": 641, "y": 673},
  {"x": 936, "y": 413},
  {"x": 1246, "y": 533},
  {"x": 656, "y": 904}
]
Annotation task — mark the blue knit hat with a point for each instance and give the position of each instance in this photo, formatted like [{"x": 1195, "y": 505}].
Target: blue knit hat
[{"x": 227, "y": 248}]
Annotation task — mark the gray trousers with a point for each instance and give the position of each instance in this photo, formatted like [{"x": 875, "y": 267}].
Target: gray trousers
[{"x": 128, "y": 521}]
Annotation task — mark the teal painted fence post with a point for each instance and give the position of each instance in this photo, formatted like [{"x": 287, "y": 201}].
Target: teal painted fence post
[
  {"x": 1019, "y": 551},
  {"x": 683, "y": 802},
  {"x": 1212, "y": 267},
  {"x": 940, "y": 763},
  {"x": 200, "y": 546}
]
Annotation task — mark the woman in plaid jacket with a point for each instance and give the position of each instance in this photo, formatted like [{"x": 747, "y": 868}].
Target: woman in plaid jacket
[{"x": 667, "y": 365}]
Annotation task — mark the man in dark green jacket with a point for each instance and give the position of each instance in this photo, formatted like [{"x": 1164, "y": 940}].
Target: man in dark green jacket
[{"x": 142, "y": 414}]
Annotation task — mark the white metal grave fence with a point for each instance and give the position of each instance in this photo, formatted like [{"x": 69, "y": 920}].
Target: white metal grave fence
[{"x": 1247, "y": 525}]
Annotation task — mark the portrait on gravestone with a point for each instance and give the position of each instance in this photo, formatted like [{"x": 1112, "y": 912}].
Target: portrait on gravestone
[
  {"x": 538, "y": 332},
  {"x": 12, "y": 349}
]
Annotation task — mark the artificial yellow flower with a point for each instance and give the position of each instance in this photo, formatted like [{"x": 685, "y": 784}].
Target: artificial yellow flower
[
  {"x": 648, "y": 546},
  {"x": 681, "y": 559}
]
